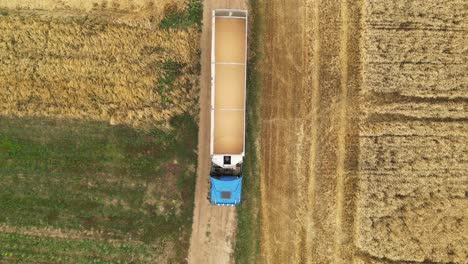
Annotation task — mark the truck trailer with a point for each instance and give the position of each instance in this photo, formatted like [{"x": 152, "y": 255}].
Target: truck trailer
[{"x": 228, "y": 99}]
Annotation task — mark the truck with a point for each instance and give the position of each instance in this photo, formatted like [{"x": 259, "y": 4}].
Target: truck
[{"x": 228, "y": 100}]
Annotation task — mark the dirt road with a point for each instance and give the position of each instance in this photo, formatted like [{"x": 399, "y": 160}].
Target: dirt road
[
  {"x": 213, "y": 226},
  {"x": 308, "y": 138}
]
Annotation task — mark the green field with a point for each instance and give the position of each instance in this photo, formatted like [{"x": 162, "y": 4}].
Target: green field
[
  {"x": 247, "y": 242},
  {"x": 132, "y": 190}
]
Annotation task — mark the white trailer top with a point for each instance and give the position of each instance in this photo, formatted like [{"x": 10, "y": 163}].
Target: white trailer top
[{"x": 228, "y": 84}]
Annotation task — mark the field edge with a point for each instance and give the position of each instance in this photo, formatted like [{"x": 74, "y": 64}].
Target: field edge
[{"x": 247, "y": 241}]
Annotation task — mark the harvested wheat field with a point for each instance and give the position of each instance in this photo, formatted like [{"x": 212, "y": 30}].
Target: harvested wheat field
[
  {"x": 363, "y": 131},
  {"x": 127, "y": 64}
]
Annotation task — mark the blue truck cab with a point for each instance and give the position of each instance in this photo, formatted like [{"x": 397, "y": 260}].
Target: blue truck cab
[
  {"x": 225, "y": 190},
  {"x": 225, "y": 185}
]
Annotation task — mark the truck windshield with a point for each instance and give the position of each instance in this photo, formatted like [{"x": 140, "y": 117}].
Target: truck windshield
[{"x": 217, "y": 171}]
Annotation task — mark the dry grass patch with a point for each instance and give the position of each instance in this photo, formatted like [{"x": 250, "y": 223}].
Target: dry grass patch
[
  {"x": 128, "y": 6},
  {"x": 99, "y": 65}
]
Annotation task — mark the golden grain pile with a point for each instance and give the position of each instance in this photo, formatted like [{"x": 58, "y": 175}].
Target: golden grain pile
[
  {"x": 100, "y": 61},
  {"x": 413, "y": 202}
]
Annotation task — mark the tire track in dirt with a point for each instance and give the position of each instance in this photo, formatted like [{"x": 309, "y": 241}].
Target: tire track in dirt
[
  {"x": 348, "y": 134},
  {"x": 340, "y": 169},
  {"x": 335, "y": 68},
  {"x": 312, "y": 14},
  {"x": 213, "y": 228}
]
